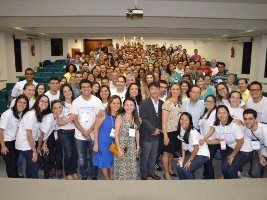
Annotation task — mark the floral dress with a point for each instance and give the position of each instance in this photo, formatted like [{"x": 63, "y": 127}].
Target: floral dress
[{"x": 126, "y": 168}]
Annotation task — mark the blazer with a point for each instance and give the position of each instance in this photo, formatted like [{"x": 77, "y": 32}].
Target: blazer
[{"x": 150, "y": 119}]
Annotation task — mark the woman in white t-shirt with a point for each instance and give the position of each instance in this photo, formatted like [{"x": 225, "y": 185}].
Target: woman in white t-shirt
[
  {"x": 236, "y": 146},
  {"x": 28, "y": 90},
  {"x": 28, "y": 134},
  {"x": 193, "y": 155},
  {"x": 47, "y": 128},
  {"x": 66, "y": 132},
  {"x": 206, "y": 125},
  {"x": 9, "y": 124},
  {"x": 236, "y": 112}
]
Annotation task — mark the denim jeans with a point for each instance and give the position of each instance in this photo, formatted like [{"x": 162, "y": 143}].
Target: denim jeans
[
  {"x": 31, "y": 167},
  {"x": 67, "y": 140},
  {"x": 148, "y": 157},
  {"x": 258, "y": 171},
  {"x": 195, "y": 164},
  {"x": 208, "y": 172},
  {"x": 85, "y": 151},
  {"x": 241, "y": 158}
]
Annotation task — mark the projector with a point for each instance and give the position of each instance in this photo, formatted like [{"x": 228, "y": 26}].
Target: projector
[{"x": 134, "y": 13}]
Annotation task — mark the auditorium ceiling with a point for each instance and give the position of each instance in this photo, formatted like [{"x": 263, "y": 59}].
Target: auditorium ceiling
[{"x": 210, "y": 19}]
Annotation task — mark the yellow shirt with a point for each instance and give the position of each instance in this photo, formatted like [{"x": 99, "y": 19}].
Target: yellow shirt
[
  {"x": 246, "y": 96},
  {"x": 68, "y": 75}
]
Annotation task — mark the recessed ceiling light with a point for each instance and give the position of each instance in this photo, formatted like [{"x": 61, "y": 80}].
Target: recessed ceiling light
[
  {"x": 248, "y": 31},
  {"x": 42, "y": 34},
  {"x": 224, "y": 35}
]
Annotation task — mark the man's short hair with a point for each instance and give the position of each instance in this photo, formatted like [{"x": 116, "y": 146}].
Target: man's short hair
[
  {"x": 153, "y": 84},
  {"x": 250, "y": 111}
]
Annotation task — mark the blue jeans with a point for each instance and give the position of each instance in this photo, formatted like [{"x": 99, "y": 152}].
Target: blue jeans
[
  {"x": 208, "y": 172},
  {"x": 67, "y": 141},
  {"x": 195, "y": 164},
  {"x": 85, "y": 151},
  {"x": 241, "y": 158},
  {"x": 31, "y": 167}
]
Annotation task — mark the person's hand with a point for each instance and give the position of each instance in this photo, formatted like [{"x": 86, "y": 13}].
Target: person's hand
[
  {"x": 180, "y": 162},
  {"x": 4, "y": 150},
  {"x": 262, "y": 161},
  {"x": 138, "y": 150},
  {"x": 45, "y": 149},
  {"x": 187, "y": 165},
  {"x": 71, "y": 117},
  {"x": 34, "y": 156},
  {"x": 166, "y": 140},
  {"x": 95, "y": 148},
  {"x": 140, "y": 120},
  {"x": 230, "y": 159},
  {"x": 120, "y": 154},
  {"x": 201, "y": 142},
  {"x": 238, "y": 122},
  {"x": 156, "y": 132}
]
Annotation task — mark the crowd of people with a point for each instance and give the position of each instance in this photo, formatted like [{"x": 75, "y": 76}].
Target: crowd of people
[{"x": 157, "y": 105}]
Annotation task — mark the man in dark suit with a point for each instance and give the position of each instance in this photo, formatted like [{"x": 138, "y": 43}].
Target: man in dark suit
[{"x": 151, "y": 114}]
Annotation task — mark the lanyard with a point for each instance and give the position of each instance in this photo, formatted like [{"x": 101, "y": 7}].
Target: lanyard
[
  {"x": 112, "y": 121},
  {"x": 258, "y": 139}
]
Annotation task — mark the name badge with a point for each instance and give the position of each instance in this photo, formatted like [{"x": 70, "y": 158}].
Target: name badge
[
  {"x": 112, "y": 133},
  {"x": 132, "y": 132},
  {"x": 223, "y": 144},
  {"x": 55, "y": 135},
  {"x": 256, "y": 145}
]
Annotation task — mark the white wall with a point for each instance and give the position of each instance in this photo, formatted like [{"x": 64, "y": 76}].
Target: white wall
[{"x": 220, "y": 50}]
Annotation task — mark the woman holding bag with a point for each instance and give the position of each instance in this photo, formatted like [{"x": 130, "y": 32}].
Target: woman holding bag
[{"x": 104, "y": 137}]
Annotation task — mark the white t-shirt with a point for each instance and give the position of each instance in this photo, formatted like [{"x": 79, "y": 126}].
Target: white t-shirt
[
  {"x": 31, "y": 103},
  {"x": 65, "y": 115},
  {"x": 236, "y": 113},
  {"x": 52, "y": 97},
  {"x": 214, "y": 70},
  {"x": 194, "y": 138},
  {"x": 10, "y": 124},
  {"x": 86, "y": 111},
  {"x": 261, "y": 134},
  {"x": 18, "y": 88},
  {"x": 205, "y": 124},
  {"x": 260, "y": 107},
  {"x": 48, "y": 125},
  {"x": 231, "y": 133},
  {"x": 29, "y": 121},
  {"x": 121, "y": 94}
]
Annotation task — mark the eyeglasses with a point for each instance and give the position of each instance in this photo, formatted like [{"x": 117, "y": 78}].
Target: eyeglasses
[{"x": 254, "y": 90}]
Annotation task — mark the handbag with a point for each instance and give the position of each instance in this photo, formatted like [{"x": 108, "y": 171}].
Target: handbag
[{"x": 114, "y": 149}]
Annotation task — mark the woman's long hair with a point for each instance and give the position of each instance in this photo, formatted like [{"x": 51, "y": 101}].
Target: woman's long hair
[
  {"x": 40, "y": 114},
  {"x": 217, "y": 121},
  {"x": 15, "y": 109},
  {"x": 189, "y": 128},
  {"x": 61, "y": 95},
  {"x": 206, "y": 110},
  {"x": 134, "y": 113},
  {"x": 170, "y": 95},
  {"x": 138, "y": 97}
]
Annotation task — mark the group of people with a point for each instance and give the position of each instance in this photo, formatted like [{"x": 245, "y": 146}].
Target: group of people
[{"x": 157, "y": 105}]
